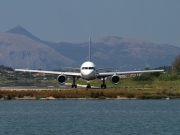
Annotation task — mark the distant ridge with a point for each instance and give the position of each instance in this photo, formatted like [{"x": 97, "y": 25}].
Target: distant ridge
[
  {"x": 114, "y": 40},
  {"x": 21, "y": 49}
]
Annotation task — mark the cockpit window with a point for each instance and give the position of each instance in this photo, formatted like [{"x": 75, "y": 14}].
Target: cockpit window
[{"x": 90, "y": 68}]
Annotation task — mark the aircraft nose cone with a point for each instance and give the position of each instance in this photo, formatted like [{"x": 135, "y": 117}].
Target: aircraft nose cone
[{"x": 88, "y": 74}]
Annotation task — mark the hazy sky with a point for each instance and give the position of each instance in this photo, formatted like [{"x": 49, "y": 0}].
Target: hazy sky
[{"x": 75, "y": 21}]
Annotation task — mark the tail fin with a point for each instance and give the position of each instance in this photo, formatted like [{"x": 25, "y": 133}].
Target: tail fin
[{"x": 89, "y": 49}]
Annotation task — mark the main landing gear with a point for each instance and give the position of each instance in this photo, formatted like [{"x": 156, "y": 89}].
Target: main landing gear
[
  {"x": 103, "y": 86},
  {"x": 74, "y": 82},
  {"x": 74, "y": 86}
]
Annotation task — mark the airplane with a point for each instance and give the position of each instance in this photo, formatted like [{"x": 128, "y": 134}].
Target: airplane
[{"x": 88, "y": 72}]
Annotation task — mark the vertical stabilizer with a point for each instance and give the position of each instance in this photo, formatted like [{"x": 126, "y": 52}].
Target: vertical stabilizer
[{"x": 89, "y": 49}]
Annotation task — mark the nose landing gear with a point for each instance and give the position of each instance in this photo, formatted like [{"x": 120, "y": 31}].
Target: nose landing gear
[{"x": 88, "y": 85}]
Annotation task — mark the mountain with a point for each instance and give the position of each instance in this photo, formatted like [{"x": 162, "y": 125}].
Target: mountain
[
  {"x": 20, "y": 49},
  {"x": 21, "y": 31},
  {"x": 136, "y": 53},
  {"x": 109, "y": 40},
  {"x": 124, "y": 53}
]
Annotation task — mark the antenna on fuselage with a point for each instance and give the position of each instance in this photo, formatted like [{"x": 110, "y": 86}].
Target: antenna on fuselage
[{"x": 89, "y": 49}]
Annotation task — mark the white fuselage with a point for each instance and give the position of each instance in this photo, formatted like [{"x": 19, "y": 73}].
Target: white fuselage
[{"x": 88, "y": 71}]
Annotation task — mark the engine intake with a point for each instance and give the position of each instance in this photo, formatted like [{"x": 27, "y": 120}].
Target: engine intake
[
  {"x": 61, "y": 79},
  {"x": 115, "y": 79}
]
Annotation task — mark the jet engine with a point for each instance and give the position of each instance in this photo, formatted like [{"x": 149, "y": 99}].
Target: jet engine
[
  {"x": 115, "y": 79},
  {"x": 61, "y": 79}
]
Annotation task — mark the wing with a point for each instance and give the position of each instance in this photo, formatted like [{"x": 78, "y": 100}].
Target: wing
[
  {"x": 50, "y": 72},
  {"x": 104, "y": 68},
  {"x": 126, "y": 72}
]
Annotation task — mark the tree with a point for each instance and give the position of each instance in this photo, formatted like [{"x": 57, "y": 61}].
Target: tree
[{"x": 176, "y": 64}]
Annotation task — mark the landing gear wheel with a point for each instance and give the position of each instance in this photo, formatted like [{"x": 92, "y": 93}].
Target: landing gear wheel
[
  {"x": 88, "y": 86},
  {"x": 74, "y": 86},
  {"x": 103, "y": 86}
]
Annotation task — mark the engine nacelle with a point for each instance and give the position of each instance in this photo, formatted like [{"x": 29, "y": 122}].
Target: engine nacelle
[
  {"x": 61, "y": 79},
  {"x": 115, "y": 79}
]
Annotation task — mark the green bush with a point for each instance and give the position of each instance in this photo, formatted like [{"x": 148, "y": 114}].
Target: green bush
[
  {"x": 143, "y": 77},
  {"x": 169, "y": 77}
]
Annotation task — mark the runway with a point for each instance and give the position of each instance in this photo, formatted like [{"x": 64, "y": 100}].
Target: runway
[
  {"x": 50, "y": 87},
  {"x": 60, "y": 87}
]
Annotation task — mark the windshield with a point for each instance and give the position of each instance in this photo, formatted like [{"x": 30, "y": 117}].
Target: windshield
[{"x": 89, "y": 68}]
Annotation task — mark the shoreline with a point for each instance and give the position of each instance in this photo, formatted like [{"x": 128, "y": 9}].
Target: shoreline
[
  {"x": 52, "y": 98},
  {"x": 91, "y": 94}
]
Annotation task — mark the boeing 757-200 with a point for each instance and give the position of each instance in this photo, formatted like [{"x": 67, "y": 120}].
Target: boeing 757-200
[{"x": 88, "y": 72}]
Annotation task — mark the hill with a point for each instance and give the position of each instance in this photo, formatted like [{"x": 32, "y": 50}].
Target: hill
[{"x": 20, "y": 49}]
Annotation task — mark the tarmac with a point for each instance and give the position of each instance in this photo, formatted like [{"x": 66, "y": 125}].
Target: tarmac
[{"x": 60, "y": 87}]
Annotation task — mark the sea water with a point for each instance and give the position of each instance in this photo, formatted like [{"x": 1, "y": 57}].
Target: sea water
[{"x": 90, "y": 117}]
